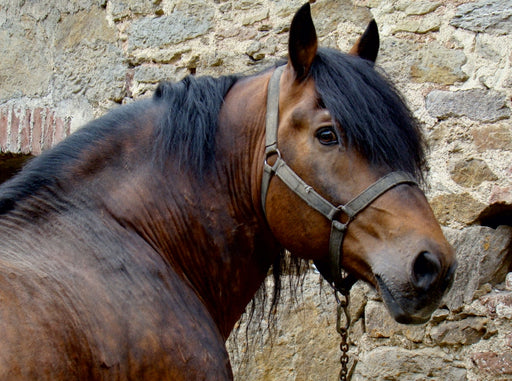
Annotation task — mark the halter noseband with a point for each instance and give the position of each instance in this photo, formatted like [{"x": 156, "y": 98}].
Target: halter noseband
[{"x": 333, "y": 272}]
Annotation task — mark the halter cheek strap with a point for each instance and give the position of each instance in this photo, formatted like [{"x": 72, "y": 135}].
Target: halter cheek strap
[{"x": 333, "y": 270}]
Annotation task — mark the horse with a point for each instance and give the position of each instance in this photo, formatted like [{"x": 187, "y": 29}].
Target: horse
[{"x": 130, "y": 249}]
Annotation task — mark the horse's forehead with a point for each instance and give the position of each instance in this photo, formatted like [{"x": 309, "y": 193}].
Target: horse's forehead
[{"x": 298, "y": 95}]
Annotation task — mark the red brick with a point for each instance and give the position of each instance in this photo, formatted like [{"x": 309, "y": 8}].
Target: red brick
[
  {"x": 25, "y": 133},
  {"x": 48, "y": 130},
  {"x": 15, "y": 125},
  {"x": 4, "y": 120},
  {"x": 37, "y": 131},
  {"x": 61, "y": 130}
]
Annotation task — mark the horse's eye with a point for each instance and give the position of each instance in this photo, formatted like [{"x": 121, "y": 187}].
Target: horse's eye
[{"x": 327, "y": 136}]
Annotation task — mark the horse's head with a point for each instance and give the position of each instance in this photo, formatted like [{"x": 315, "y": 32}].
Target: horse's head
[{"x": 341, "y": 128}]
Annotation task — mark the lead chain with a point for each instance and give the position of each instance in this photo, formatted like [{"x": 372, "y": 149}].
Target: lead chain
[{"x": 342, "y": 326}]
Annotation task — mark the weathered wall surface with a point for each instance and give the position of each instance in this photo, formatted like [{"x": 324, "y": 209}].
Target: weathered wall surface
[{"x": 66, "y": 62}]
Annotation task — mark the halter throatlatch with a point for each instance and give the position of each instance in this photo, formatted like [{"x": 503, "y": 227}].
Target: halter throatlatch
[{"x": 332, "y": 269}]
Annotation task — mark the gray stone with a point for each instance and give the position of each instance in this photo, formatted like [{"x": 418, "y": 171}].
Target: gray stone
[
  {"x": 358, "y": 298},
  {"x": 421, "y": 7},
  {"x": 254, "y": 17},
  {"x": 328, "y": 14},
  {"x": 188, "y": 20},
  {"x": 483, "y": 256},
  {"x": 84, "y": 27},
  {"x": 379, "y": 324},
  {"x": 120, "y": 9},
  {"x": 397, "y": 56},
  {"x": 98, "y": 72},
  {"x": 246, "y": 5},
  {"x": 25, "y": 67},
  {"x": 421, "y": 26},
  {"x": 88, "y": 60},
  {"x": 463, "y": 332},
  {"x": 493, "y": 16},
  {"x": 477, "y": 104},
  {"x": 154, "y": 73},
  {"x": 435, "y": 63},
  {"x": 392, "y": 363}
]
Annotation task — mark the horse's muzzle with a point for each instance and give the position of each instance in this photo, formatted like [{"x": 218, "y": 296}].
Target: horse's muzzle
[{"x": 414, "y": 303}]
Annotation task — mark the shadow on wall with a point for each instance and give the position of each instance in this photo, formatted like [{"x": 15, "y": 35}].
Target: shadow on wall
[{"x": 11, "y": 164}]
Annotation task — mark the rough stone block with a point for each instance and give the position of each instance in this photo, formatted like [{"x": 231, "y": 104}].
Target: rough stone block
[
  {"x": 120, "y": 9},
  {"x": 392, "y": 363},
  {"x": 420, "y": 7},
  {"x": 379, "y": 324},
  {"x": 26, "y": 64},
  {"x": 476, "y": 104},
  {"x": 431, "y": 24},
  {"x": 484, "y": 16},
  {"x": 465, "y": 332},
  {"x": 471, "y": 172},
  {"x": 483, "y": 256},
  {"x": 493, "y": 137},
  {"x": 435, "y": 63},
  {"x": 187, "y": 21},
  {"x": 456, "y": 207}
]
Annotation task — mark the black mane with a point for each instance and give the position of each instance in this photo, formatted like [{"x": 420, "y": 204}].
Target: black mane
[
  {"x": 372, "y": 114},
  {"x": 189, "y": 126}
]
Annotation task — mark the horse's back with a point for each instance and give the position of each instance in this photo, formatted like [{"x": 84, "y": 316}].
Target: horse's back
[{"x": 101, "y": 311}]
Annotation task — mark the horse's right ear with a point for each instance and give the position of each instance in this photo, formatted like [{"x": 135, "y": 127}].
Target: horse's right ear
[
  {"x": 367, "y": 46},
  {"x": 303, "y": 43}
]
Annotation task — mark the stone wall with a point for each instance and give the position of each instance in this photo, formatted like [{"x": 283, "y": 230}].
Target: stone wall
[{"x": 66, "y": 62}]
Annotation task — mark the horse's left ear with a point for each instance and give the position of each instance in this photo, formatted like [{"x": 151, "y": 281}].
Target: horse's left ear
[
  {"x": 303, "y": 43},
  {"x": 367, "y": 46}
]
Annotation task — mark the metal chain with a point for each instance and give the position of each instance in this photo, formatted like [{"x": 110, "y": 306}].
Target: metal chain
[{"x": 342, "y": 327}]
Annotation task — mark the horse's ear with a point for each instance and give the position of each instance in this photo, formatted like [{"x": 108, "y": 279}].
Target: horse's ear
[
  {"x": 303, "y": 43},
  {"x": 367, "y": 46}
]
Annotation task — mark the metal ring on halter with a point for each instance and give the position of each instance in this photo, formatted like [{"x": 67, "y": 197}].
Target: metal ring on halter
[{"x": 270, "y": 151}]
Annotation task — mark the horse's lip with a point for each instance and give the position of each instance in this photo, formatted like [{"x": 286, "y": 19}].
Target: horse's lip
[{"x": 395, "y": 308}]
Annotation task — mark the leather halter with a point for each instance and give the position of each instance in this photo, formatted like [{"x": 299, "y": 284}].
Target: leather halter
[{"x": 333, "y": 272}]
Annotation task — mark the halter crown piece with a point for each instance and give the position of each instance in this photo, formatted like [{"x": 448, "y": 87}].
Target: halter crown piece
[{"x": 333, "y": 273}]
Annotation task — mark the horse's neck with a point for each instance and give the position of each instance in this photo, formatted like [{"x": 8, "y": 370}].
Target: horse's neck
[
  {"x": 229, "y": 247},
  {"x": 206, "y": 230},
  {"x": 211, "y": 230}
]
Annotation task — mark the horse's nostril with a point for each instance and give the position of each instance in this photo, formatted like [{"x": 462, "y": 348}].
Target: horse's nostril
[{"x": 426, "y": 269}]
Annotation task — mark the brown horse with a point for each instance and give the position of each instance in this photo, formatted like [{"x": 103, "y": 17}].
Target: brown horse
[{"x": 130, "y": 250}]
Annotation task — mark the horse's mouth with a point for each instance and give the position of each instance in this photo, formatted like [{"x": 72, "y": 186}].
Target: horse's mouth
[{"x": 395, "y": 308}]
